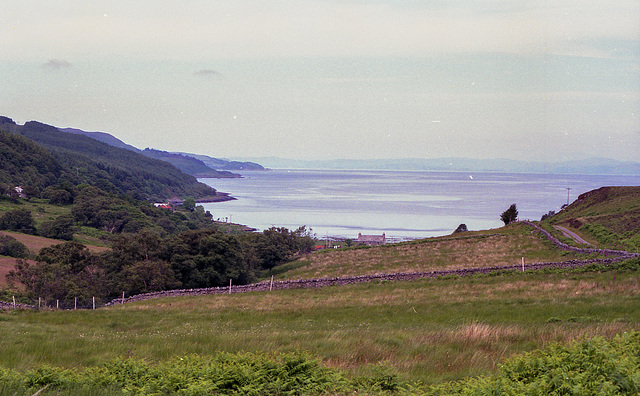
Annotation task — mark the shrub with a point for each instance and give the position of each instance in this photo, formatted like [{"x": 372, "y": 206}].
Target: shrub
[
  {"x": 19, "y": 220},
  {"x": 62, "y": 227},
  {"x": 9, "y": 246}
]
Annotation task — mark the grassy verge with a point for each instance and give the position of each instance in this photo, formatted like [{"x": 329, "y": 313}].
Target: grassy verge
[{"x": 429, "y": 330}]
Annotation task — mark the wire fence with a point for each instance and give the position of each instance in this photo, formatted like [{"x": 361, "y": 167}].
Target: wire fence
[
  {"x": 95, "y": 302},
  {"x": 51, "y": 304}
]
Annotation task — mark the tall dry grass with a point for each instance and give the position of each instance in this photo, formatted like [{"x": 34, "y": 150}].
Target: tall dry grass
[
  {"x": 446, "y": 253},
  {"x": 431, "y": 330}
]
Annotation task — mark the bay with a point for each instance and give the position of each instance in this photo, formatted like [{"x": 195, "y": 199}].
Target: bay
[{"x": 401, "y": 204}]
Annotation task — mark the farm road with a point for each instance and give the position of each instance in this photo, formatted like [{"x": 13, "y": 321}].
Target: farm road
[
  {"x": 612, "y": 256},
  {"x": 571, "y": 234}
]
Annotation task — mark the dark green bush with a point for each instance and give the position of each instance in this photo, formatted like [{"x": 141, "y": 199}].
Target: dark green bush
[{"x": 9, "y": 246}]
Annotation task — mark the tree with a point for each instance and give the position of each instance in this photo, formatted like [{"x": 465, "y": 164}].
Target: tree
[
  {"x": 19, "y": 220},
  {"x": 147, "y": 276},
  {"x": 277, "y": 245},
  {"x": 189, "y": 204},
  {"x": 62, "y": 227},
  {"x": 510, "y": 215},
  {"x": 62, "y": 271},
  {"x": 11, "y": 247}
]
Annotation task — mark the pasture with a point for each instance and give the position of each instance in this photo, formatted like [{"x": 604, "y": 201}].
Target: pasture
[{"x": 430, "y": 330}]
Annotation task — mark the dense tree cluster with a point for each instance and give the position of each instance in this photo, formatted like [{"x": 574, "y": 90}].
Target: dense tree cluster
[
  {"x": 18, "y": 220},
  {"x": 110, "y": 190},
  {"x": 96, "y": 208},
  {"x": 25, "y": 163},
  {"x": 145, "y": 261}
]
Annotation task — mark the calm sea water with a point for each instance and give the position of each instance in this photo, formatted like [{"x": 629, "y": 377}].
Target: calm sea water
[{"x": 402, "y": 204}]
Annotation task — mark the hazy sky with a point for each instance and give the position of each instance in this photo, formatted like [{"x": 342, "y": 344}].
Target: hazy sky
[{"x": 535, "y": 80}]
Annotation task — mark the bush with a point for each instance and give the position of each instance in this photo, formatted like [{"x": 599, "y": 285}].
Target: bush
[
  {"x": 62, "y": 227},
  {"x": 9, "y": 246},
  {"x": 19, "y": 220},
  {"x": 593, "y": 367}
]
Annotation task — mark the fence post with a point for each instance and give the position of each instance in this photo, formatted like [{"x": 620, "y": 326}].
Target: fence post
[
  {"x": 14, "y": 302},
  {"x": 39, "y": 302},
  {"x": 94, "y": 303},
  {"x": 75, "y": 303},
  {"x": 122, "y": 298},
  {"x": 271, "y": 284},
  {"x": 522, "y": 264},
  {"x": 230, "y": 280},
  {"x": 57, "y": 304}
]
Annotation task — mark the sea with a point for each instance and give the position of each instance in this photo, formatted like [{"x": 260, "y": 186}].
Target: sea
[{"x": 403, "y": 205}]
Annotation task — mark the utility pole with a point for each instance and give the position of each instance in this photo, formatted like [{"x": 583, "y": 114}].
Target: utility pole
[{"x": 568, "y": 189}]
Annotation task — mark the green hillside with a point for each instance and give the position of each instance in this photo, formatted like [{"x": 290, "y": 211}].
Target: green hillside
[
  {"x": 80, "y": 159},
  {"x": 607, "y": 217},
  {"x": 390, "y": 334},
  {"x": 23, "y": 162}
]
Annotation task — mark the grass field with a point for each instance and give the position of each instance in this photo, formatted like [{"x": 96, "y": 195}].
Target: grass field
[
  {"x": 40, "y": 209},
  {"x": 505, "y": 246},
  {"x": 428, "y": 330},
  {"x": 6, "y": 265}
]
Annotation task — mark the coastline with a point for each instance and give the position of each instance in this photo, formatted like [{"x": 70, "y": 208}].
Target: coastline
[{"x": 219, "y": 197}]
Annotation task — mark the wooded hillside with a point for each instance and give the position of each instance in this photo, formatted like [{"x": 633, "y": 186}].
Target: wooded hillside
[{"x": 79, "y": 159}]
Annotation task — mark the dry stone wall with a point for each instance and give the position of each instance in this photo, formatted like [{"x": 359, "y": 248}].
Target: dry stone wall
[{"x": 617, "y": 255}]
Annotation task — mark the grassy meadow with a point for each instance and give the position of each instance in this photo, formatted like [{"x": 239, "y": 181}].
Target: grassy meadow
[
  {"x": 500, "y": 247},
  {"x": 430, "y": 330},
  {"x": 424, "y": 332}
]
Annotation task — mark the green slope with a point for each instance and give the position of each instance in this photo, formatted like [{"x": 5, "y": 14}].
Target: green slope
[
  {"x": 81, "y": 159},
  {"x": 608, "y": 217}
]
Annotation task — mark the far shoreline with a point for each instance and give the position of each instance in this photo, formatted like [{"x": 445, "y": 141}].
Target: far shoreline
[{"x": 219, "y": 197}]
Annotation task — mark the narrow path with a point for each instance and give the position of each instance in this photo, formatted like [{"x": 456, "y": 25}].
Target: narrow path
[{"x": 571, "y": 234}]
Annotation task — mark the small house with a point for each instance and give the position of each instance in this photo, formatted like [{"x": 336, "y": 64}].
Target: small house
[
  {"x": 371, "y": 240},
  {"x": 20, "y": 191}
]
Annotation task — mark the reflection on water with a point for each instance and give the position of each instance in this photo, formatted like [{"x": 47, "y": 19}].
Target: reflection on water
[{"x": 403, "y": 204}]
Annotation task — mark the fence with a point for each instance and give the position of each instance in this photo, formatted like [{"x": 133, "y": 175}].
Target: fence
[
  {"x": 323, "y": 282},
  {"x": 41, "y": 303}
]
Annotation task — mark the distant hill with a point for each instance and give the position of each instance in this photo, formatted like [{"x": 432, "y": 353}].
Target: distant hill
[
  {"x": 224, "y": 164},
  {"x": 588, "y": 166},
  {"x": 188, "y": 164},
  {"x": 79, "y": 159},
  {"x": 185, "y": 162},
  {"x": 193, "y": 164},
  {"x": 101, "y": 137}
]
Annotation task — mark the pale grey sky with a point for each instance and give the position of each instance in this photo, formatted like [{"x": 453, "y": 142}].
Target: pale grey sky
[{"x": 321, "y": 79}]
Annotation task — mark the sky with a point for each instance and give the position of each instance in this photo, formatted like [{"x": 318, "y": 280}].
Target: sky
[{"x": 550, "y": 80}]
